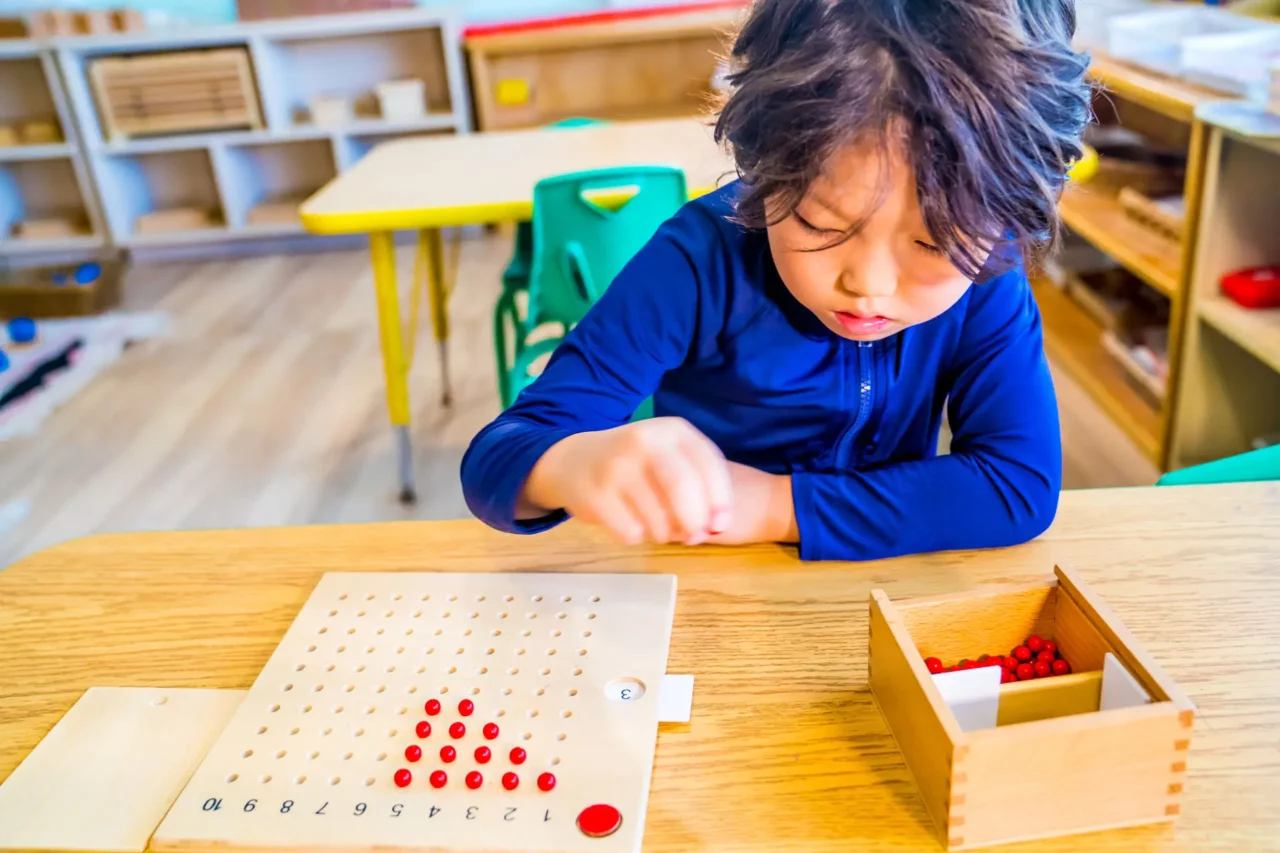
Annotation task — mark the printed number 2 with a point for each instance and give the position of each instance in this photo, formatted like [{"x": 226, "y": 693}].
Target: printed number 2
[
  {"x": 510, "y": 815},
  {"x": 322, "y": 808}
]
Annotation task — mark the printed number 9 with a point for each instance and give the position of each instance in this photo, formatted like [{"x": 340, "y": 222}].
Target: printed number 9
[{"x": 360, "y": 807}]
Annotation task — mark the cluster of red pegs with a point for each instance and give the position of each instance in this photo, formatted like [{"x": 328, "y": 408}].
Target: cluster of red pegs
[
  {"x": 1036, "y": 658},
  {"x": 449, "y": 753}
]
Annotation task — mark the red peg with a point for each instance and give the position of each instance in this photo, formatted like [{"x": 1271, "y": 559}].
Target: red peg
[
  {"x": 546, "y": 782},
  {"x": 474, "y": 779},
  {"x": 490, "y": 731},
  {"x": 448, "y": 754},
  {"x": 1035, "y": 643},
  {"x": 439, "y": 779},
  {"x": 518, "y": 755},
  {"x": 599, "y": 821},
  {"x": 466, "y": 707},
  {"x": 457, "y": 730},
  {"x": 1026, "y": 672},
  {"x": 934, "y": 665},
  {"x": 424, "y": 729},
  {"x": 1043, "y": 669},
  {"x": 483, "y": 754},
  {"x": 1061, "y": 667},
  {"x": 412, "y": 752},
  {"x": 403, "y": 778},
  {"x": 433, "y": 707},
  {"x": 510, "y": 781},
  {"x": 1022, "y": 654}
]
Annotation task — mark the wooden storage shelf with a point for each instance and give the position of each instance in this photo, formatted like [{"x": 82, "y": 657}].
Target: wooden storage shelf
[
  {"x": 1073, "y": 339},
  {"x": 1052, "y": 742},
  {"x": 1254, "y": 330},
  {"x": 1099, "y": 217},
  {"x": 1173, "y": 98}
]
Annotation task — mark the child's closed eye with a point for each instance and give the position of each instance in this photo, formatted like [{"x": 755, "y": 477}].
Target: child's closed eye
[{"x": 929, "y": 247}]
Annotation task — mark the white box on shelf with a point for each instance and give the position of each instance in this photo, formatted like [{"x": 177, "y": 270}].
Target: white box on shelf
[
  {"x": 400, "y": 100},
  {"x": 1237, "y": 63},
  {"x": 1155, "y": 40},
  {"x": 331, "y": 110}
]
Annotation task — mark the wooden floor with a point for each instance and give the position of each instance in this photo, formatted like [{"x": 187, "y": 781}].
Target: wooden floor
[{"x": 265, "y": 406}]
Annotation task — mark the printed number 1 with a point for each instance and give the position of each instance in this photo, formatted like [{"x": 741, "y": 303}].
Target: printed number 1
[{"x": 547, "y": 816}]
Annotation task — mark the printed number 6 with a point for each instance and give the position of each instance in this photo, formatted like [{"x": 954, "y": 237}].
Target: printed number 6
[{"x": 251, "y": 805}]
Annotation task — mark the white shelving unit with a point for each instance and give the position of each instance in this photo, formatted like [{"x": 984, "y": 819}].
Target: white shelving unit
[
  {"x": 230, "y": 173},
  {"x": 47, "y": 179}
]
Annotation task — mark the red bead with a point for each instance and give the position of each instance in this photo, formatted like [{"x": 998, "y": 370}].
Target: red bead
[
  {"x": 457, "y": 730},
  {"x": 1010, "y": 662},
  {"x": 599, "y": 821},
  {"x": 510, "y": 781},
  {"x": 965, "y": 663},
  {"x": 1051, "y": 646},
  {"x": 1045, "y": 655},
  {"x": 518, "y": 755},
  {"x": 1022, "y": 654},
  {"x": 424, "y": 729},
  {"x": 439, "y": 779},
  {"x": 1026, "y": 672},
  {"x": 1006, "y": 676},
  {"x": 1061, "y": 667},
  {"x": 490, "y": 731},
  {"x": 1043, "y": 669},
  {"x": 466, "y": 707},
  {"x": 412, "y": 752},
  {"x": 403, "y": 778},
  {"x": 997, "y": 662},
  {"x": 433, "y": 707},
  {"x": 934, "y": 665},
  {"x": 1035, "y": 643},
  {"x": 448, "y": 754},
  {"x": 483, "y": 754},
  {"x": 983, "y": 658},
  {"x": 546, "y": 782},
  {"x": 474, "y": 779}
]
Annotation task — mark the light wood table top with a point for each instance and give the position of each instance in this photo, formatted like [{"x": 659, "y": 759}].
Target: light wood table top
[
  {"x": 786, "y": 751},
  {"x": 474, "y": 179}
]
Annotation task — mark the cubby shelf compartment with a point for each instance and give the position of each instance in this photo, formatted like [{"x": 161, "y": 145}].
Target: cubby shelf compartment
[
  {"x": 264, "y": 183},
  {"x": 139, "y": 188}
]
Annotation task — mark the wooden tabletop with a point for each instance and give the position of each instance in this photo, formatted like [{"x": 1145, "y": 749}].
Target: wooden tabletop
[
  {"x": 473, "y": 179},
  {"x": 786, "y": 751}
]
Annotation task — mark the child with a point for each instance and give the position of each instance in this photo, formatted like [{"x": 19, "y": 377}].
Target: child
[{"x": 801, "y": 329}]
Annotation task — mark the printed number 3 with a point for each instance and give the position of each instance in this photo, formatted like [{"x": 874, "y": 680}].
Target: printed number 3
[{"x": 626, "y": 693}]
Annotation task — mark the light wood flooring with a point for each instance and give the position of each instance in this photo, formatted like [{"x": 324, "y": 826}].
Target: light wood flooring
[{"x": 265, "y": 406}]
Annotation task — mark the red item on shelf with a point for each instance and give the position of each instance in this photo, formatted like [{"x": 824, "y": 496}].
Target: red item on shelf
[
  {"x": 1258, "y": 287},
  {"x": 1026, "y": 672},
  {"x": 934, "y": 665},
  {"x": 1043, "y": 669},
  {"x": 1006, "y": 676},
  {"x": 1023, "y": 654},
  {"x": 1035, "y": 643},
  {"x": 1045, "y": 655},
  {"x": 1051, "y": 646},
  {"x": 1061, "y": 667}
]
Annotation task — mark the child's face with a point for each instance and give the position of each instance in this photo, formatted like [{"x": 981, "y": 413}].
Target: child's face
[{"x": 888, "y": 275}]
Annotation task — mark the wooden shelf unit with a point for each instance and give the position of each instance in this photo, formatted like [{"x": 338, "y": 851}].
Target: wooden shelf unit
[{"x": 1098, "y": 217}]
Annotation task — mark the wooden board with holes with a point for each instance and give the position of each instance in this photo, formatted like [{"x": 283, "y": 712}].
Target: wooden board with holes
[
  {"x": 103, "y": 777},
  {"x": 565, "y": 668}
]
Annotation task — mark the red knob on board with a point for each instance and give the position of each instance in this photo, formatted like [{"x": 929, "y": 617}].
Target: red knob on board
[
  {"x": 1026, "y": 672},
  {"x": 483, "y": 754},
  {"x": 474, "y": 779},
  {"x": 934, "y": 665},
  {"x": 1043, "y": 669},
  {"x": 510, "y": 781},
  {"x": 433, "y": 707},
  {"x": 403, "y": 778},
  {"x": 412, "y": 752},
  {"x": 439, "y": 779},
  {"x": 1045, "y": 655},
  {"x": 518, "y": 755},
  {"x": 457, "y": 730},
  {"x": 599, "y": 821},
  {"x": 1051, "y": 646},
  {"x": 1036, "y": 643},
  {"x": 546, "y": 782},
  {"x": 490, "y": 731},
  {"x": 1061, "y": 667},
  {"x": 447, "y": 754},
  {"x": 1022, "y": 654},
  {"x": 423, "y": 729},
  {"x": 466, "y": 707}
]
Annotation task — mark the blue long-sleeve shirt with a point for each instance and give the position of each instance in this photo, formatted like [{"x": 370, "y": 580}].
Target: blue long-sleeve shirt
[{"x": 701, "y": 321}]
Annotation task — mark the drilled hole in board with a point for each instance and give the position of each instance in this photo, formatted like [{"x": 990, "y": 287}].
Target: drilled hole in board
[
  {"x": 287, "y": 688},
  {"x": 311, "y": 648},
  {"x": 335, "y": 780},
  {"x": 233, "y": 777},
  {"x": 403, "y": 710},
  {"x": 370, "y": 597},
  {"x": 555, "y": 761},
  {"x": 282, "y": 753},
  {"x": 370, "y": 709},
  {"x": 382, "y": 756},
  {"x": 519, "y": 652},
  {"x": 397, "y": 597},
  {"x": 500, "y": 713},
  {"x": 556, "y": 633},
  {"x": 351, "y": 631},
  {"x": 531, "y": 615},
  {"x": 294, "y": 730},
  {"x": 361, "y": 613},
  {"x": 421, "y": 669},
  {"x": 582, "y": 653},
  {"x": 382, "y": 688},
  {"x": 417, "y": 614},
  {"x": 327, "y": 731},
  {"x": 266, "y": 778},
  {"x": 595, "y": 599},
  {"x": 426, "y": 597},
  {"x": 368, "y": 783},
  {"x": 544, "y": 671},
  {"x": 586, "y": 633},
  {"x": 573, "y": 692},
  {"x": 359, "y": 732},
  {"x": 315, "y": 753},
  {"x": 388, "y": 614},
  {"x": 453, "y": 598},
  {"x": 324, "y": 629},
  {"x": 349, "y": 688},
  {"x": 513, "y": 671},
  {"x": 532, "y": 712},
  {"x": 393, "y": 733},
  {"x": 561, "y": 736},
  {"x": 526, "y": 632},
  {"x": 453, "y": 670},
  {"x": 566, "y": 714},
  {"x": 482, "y": 670},
  {"x": 341, "y": 649},
  {"x": 537, "y": 598},
  {"x": 337, "y": 709},
  {"x": 262, "y": 730},
  {"x": 506, "y": 691},
  {"x": 527, "y": 736},
  {"x": 369, "y": 650},
  {"x": 342, "y": 597},
  {"x": 508, "y": 598},
  {"x": 300, "y": 667},
  {"x": 577, "y": 671},
  {"x": 330, "y": 668},
  {"x": 444, "y": 690},
  {"x": 301, "y": 780},
  {"x": 274, "y": 708},
  {"x": 475, "y": 691},
  {"x": 248, "y": 753},
  {"x": 412, "y": 688}
]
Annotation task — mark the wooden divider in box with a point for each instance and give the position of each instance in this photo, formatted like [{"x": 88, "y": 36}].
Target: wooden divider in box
[
  {"x": 175, "y": 92},
  {"x": 1051, "y": 744}
]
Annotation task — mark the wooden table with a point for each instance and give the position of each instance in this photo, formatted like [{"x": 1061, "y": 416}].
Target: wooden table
[
  {"x": 429, "y": 183},
  {"x": 786, "y": 751}
]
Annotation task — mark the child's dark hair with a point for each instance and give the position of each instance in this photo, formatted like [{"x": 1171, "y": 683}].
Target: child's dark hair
[{"x": 989, "y": 95}]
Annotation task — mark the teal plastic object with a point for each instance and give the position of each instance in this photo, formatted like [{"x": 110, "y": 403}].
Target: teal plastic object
[{"x": 1254, "y": 466}]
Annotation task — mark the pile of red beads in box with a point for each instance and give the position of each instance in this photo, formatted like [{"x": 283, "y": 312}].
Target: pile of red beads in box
[{"x": 1035, "y": 658}]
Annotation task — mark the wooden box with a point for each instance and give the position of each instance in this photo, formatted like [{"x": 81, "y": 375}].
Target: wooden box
[
  {"x": 1087, "y": 769},
  {"x": 175, "y": 92},
  {"x": 30, "y": 291}
]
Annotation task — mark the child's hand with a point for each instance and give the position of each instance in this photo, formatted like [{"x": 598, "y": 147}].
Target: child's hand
[{"x": 658, "y": 480}]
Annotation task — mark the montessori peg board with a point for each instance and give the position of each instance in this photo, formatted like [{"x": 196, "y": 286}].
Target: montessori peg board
[{"x": 564, "y": 668}]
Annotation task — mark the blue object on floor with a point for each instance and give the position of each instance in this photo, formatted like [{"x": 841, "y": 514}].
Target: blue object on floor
[
  {"x": 4, "y": 361},
  {"x": 22, "y": 330}
]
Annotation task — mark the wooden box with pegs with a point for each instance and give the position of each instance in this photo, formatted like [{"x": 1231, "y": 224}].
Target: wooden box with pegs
[{"x": 1101, "y": 748}]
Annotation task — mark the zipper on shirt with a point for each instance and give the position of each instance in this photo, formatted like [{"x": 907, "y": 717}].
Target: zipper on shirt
[{"x": 866, "y": 397}]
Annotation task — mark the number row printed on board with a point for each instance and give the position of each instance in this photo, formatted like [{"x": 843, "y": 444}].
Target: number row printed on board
[{"x": 288, "y": 807}]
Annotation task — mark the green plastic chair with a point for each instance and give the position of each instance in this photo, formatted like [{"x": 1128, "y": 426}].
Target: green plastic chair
[
  {"x": 586, "y": 227},
  {"x": 1251, "y": 467}
]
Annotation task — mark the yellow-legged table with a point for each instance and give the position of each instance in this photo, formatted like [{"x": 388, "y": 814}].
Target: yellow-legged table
[{"x": 429, "y": 183}]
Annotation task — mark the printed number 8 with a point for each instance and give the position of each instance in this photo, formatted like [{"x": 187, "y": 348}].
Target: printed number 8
[{"x": 285, "y": 806}]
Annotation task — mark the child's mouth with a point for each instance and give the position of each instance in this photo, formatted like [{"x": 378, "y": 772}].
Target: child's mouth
[{"x": 858, "y": 324}]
